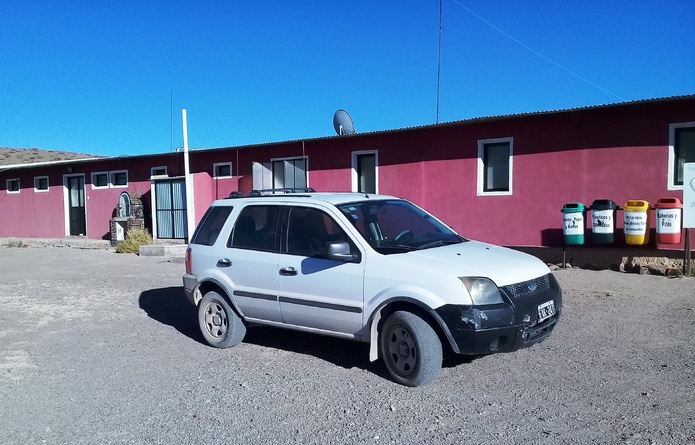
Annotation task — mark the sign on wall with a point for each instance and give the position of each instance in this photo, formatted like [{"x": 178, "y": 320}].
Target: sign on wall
[{"x": 689, "y": 195}]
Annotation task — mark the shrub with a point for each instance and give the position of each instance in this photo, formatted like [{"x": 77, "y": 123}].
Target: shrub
[
  {"x": 134, "y": 238},
  {"x": 14, "y": 243}
]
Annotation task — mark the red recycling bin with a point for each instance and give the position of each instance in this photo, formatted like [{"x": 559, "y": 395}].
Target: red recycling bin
[{"x": 668, "y": 220}]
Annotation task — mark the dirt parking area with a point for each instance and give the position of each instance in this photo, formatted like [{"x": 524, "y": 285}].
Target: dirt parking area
[{"x": 99, "y": 347}]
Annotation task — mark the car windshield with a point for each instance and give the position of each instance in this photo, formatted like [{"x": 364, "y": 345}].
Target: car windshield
[{"x": 396, "y": 226}]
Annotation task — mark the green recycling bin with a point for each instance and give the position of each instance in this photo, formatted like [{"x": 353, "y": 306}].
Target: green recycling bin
[{"x": 573, "y": 222}]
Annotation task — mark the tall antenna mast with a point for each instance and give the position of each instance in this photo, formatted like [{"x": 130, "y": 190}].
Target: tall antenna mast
[
  {"x": 171, "y": 120},
  {"x": 439, "y": 58}
]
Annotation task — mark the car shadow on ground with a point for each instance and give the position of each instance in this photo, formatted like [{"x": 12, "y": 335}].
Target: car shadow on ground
[
  {"x": 341, "y": 352},
  {"x": 169, "y": 306},
  {"x": 452, "y": 360}
]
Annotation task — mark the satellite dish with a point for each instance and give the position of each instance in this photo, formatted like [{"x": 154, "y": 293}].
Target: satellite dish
[{"x": 342, "y": 122}]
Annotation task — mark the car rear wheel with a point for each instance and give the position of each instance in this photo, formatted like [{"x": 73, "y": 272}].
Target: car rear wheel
[
  {"x": 219, "y": 323},
  {"x": 411, "y": 350}
]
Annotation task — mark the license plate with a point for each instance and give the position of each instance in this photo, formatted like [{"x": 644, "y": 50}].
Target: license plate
[{"x": 546, "y": 310}]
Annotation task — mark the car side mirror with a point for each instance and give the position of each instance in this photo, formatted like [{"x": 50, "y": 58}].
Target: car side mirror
[{"x": 340, "y": 251}]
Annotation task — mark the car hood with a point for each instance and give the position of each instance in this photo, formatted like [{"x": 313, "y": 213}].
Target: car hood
[{"x": 502, "y": 265}]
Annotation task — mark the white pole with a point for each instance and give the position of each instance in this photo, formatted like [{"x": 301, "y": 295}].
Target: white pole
[{"x": 190, "y": 209}]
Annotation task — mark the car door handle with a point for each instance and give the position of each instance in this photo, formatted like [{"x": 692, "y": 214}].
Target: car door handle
[
  {"x": 224, "y": 262},
  {"x": 288, "y": 271}
]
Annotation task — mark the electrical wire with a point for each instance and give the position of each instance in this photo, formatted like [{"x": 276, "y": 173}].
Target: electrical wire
[{"x": 542, "y": 56}]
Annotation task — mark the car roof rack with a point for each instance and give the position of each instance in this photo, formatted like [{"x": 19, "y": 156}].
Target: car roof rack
[{"x": 270, "y": 192}]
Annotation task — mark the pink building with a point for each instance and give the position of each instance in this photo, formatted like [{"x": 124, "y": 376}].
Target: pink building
[{"x": 500, "y": 179}]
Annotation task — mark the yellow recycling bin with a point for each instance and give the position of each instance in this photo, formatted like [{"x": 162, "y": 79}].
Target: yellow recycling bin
[{"x": 636, "y": 219}]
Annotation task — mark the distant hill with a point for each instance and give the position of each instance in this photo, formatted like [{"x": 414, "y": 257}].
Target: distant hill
[{"x": 12, "y": 156}]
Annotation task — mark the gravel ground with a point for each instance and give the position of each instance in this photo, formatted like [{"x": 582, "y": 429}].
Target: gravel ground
[{"x": 97, "y": 347}]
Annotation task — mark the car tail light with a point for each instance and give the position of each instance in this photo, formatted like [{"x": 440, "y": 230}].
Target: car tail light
[{"x": 189, "y": 266}]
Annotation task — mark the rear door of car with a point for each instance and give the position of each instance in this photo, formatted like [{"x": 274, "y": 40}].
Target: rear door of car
[
  {"x": 314, "y": 291},
  {"x": 250, "y": 260}
]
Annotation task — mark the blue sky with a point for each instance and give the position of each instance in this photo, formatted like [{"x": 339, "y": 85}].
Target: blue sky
[{"x": 111, "y": 78}]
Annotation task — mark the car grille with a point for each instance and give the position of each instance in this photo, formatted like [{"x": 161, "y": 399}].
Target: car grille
[{"x": 520, "y": 290}]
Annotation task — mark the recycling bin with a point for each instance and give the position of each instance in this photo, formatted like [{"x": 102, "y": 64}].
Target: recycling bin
[
  {"x": 668, "y": 220},
  {"x": 603, "y": 221},
  {"x": 573, "y": 222},
  {"x": 636, "y": 222}
]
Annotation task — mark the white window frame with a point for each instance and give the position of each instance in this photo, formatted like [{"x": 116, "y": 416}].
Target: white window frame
[
  {"x": 159, "y": 167},
  {"x": 39, "y": 178},
  {"x": 7, "y": 185},
  {"x": 222, "y": 164},
  {"x": 113, "y": 173},
  {"x": 671, "y": 175},
  {"x": 263, "y": 172},
  {"x": 355, "y": 178},
  {"x": 94, "y": 186},
  {"x": 290, "y": 158},
  {"x": 481, "y": 166}
]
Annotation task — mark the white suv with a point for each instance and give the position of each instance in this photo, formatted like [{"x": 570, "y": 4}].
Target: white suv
[{"x": 372, "y": 268}]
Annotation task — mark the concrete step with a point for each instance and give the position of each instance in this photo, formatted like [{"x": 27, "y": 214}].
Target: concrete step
[{"x": 166, "y": 250}]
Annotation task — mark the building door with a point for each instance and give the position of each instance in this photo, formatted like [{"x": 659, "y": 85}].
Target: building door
[
  {"x": 76, "y": 209},
  {"x": 170, "y": 206},
  {"x": 364, "y": 171}
]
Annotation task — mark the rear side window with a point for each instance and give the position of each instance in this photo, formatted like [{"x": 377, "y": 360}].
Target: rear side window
[
  {"x": 210, "y": 226},
  {"x": 255, "y": 228}
]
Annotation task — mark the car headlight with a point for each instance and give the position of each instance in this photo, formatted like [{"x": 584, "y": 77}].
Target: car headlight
[{"x": 482, "y": 290}]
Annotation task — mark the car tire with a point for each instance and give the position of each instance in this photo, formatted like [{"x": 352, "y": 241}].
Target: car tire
[
  {"x": 220, "y": 325},
  {"x": 411, "y": 350}
]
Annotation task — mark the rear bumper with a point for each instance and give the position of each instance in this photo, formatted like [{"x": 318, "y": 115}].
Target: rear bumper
[{"x": 189, "y": 284}]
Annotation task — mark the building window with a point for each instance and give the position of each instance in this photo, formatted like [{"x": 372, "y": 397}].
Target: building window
[
  {"x": 41, "y": 183},
  {"x": 289, "y": 173},
  {"x": 495, "y": 166},
  {"x": 364, "y": 171},
  {"x": 100, "y": 180},
  {"x": 115, "y": 178},
  {"x": 281, "y": 173},
  {"x": 681, "y": 151},
  {"x": 159, "y": 171},
  {"x": 222, "y": 170},
  {"x": 12, "y": 185},
  {"x": 119, "y": 178}
]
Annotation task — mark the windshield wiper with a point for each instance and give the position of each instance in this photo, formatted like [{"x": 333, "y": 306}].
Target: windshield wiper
[
  {"x": 439, "y": 242},
  {"x": 397, "y": 248}
]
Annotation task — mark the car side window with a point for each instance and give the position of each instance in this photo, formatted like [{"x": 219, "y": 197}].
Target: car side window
[
  {"x": 210, "y": 226},
  {"x": 309, "y": 230},
  {"x": 255, "y": 228}
]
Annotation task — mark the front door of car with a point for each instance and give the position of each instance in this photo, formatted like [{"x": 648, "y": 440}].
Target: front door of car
[
  {"x": 250, "y": 260},
  {"x": 315, "y": 291}
]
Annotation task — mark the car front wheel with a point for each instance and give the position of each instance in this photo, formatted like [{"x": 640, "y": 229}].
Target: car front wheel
[
  {"x": 219, "y": 323},
  {"x": 411, "y": 350}
]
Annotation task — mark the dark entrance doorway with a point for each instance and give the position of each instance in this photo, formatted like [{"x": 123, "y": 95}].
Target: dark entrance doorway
[{"x": 76, "y": 208}]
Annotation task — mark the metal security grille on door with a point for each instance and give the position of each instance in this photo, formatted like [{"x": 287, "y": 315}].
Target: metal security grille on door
[{"x": 170, "y": 198}]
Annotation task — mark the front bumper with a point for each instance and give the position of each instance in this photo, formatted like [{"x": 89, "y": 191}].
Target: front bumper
[{"x": 503, "y": 327}]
